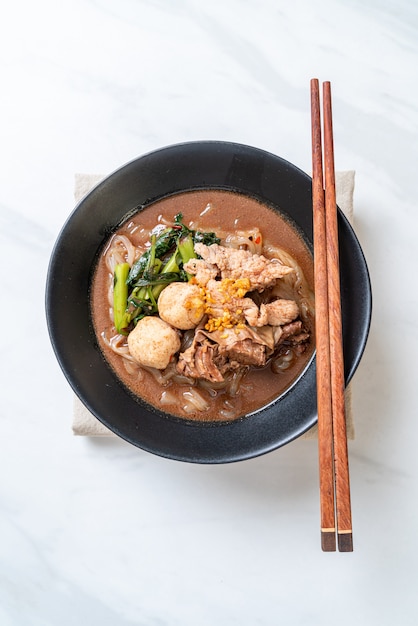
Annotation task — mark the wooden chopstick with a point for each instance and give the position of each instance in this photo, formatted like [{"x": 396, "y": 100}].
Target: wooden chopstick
[
  {"x": 342, "y": 478},
  {"x": 323, "y": 367},
  {"x": 335, "y": 501}
]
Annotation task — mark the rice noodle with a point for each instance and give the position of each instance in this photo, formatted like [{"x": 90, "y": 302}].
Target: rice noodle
[
  {"x": 212, "y": 388},
  {"x": 194, "y": 401},
  {"x": 250, "y": 240},
  {"x": 118, "y": 345},
  {"x": 110, "y": 294},
  {"x": 133, "y": 369},
  {"x": 236, "y": 379},
  {"x": 229, "y": 411},
  {"x": 167, "y": 397},
  {"x": 282, "y": 362},
  {"x": 214, "y": 385},
  {"x": 120, "y": 250},
  {"x": 183, "y": 380},
  {"x": 156, "y": 374},
  {"x": 170, "y": 374},
  {"x": 294, "y": 285}
]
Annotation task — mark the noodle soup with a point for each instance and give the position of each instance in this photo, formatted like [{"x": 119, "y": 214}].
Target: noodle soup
[{"x": 234, "y": 356}]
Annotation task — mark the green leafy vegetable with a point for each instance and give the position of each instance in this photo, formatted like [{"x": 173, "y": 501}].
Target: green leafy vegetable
[
  {"x": 160, "y": 265},
  {"x": 186, "y": 249},
  {"x": 149, "y": 280},
  {"x": 166, "y": 242},
  {"x": 120, "y": 296},
  {"x": 207, "y": 238}
]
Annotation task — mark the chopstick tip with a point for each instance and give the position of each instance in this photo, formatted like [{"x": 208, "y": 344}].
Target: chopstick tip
[
  {"x": 328, "y": 543},
  {"x": 345, "y": 542}
]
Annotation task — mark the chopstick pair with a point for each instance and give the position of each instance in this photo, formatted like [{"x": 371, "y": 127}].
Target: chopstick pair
[{"x": 335, "y": 501}]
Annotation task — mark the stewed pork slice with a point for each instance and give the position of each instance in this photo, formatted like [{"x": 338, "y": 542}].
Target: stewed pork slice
[
  {"x": 227, "y": 305},
  {"x": 294, "y": 332},
  {"x": 212, "y": 354},
  {"x": 226, "y": 302},
  {"x": 246, "y": 346},
  {"x": 235, "y": 263},
  {"x": 202, "y": 270},
  {"x": 201, "y": 361},
  {"x": 279, "y": 312}
]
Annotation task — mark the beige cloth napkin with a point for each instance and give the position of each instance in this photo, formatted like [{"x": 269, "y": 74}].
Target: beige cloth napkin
[{"x": 84, "y": 423}]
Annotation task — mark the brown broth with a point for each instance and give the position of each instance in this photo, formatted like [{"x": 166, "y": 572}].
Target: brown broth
[{"x": 229, "y": 211}]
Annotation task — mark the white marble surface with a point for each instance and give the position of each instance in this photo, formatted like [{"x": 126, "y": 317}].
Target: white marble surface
[{"x": 96, "y": 531}]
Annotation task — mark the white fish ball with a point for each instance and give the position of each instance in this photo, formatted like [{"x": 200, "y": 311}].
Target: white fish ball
[
  {"x": 181, "y": 305},
  {"x": 153, "y": 342}
]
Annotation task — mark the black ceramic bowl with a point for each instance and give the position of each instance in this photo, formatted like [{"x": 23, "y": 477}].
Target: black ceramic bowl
[{"x": 166, "y": 171}]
